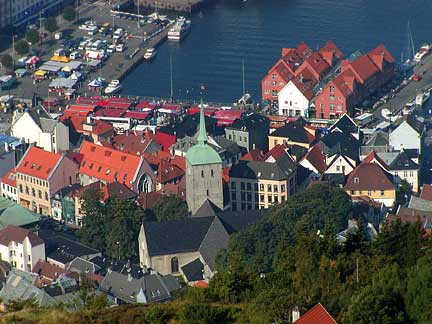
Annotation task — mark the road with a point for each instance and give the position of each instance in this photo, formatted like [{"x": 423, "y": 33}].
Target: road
[{"x": 410, "y": 91}]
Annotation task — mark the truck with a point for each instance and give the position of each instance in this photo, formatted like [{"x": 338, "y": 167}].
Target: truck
[{"x": 95, "y": 55}]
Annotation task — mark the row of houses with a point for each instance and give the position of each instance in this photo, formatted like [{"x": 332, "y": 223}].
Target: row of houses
[{"x": 323, "y": 84}]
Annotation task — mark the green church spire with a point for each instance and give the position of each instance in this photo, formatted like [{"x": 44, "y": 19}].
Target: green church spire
[{"x": 202, "y": 135}]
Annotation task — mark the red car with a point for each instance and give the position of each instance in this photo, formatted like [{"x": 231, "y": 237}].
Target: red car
[{"x": 416, "y": 77}]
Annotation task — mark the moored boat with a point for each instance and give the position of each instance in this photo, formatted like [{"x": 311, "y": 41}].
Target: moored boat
[
  {"x": 113, "y": 87},
  {"x": 149, "y": 54},
  {"x": 180, "y": 29}
]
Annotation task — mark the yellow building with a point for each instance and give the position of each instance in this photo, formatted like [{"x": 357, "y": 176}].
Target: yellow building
[
  {"x": 261, "y": 184},
  {"x": 370, "y": 180},
  {"x": 40, "y": 174}
]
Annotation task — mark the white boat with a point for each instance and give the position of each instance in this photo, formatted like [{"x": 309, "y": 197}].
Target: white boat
[
  {"x": 113, "y": 87},
  {"x": 180, "y": 29},
  {"x": 149, "y": 54},
  {"x": 423, "y": 51}
]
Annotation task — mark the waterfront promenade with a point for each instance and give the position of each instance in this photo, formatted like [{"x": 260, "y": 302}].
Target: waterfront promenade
[{"x": 410, "y": 91}]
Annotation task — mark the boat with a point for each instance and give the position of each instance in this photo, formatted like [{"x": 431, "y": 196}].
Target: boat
[
  {"x": 149, "y": 54},
  {"x": 422, "y": 52},
  {"x": 180, "y": 29},
  {"x": 113, "y": 87}
]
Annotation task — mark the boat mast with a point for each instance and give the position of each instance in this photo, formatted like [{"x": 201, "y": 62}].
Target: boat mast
[
  {"x": 171, "y": 79},
  {"x": 411, "y": 41},
  {"x": 243, "y": 69}
]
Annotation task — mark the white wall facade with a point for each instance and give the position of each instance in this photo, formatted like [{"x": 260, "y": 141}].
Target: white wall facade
[
  {"x": 8, "y": 192},
  {"x": 405, "y": 137},
  {"x": 410, "y": 176},
  {"x": 292, "y": 102},
  {"x": 22, "y": 255},
  {"x": 340, "y": 165}
]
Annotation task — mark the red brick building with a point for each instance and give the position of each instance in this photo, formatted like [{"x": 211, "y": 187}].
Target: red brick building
[
  {"x": 297, "y": 61},
  {"x": 357, "y": 80}
]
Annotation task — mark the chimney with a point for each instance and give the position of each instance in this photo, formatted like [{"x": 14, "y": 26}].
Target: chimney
[
  {"x": 301, "y": 77},
  {"x": 143, "y": 137},
  {"x": 295, "y": 314},
  {"x": 121, "y": 146}
]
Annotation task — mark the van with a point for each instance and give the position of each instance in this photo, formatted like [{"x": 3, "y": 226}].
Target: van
[
  {"x": 96, "y": 45},
  {"x": 120, "y": 47},
  {"x": 111, "y": 49},
  {"x": 75, "y": 55},
  {"x": 59, "y": 52}
]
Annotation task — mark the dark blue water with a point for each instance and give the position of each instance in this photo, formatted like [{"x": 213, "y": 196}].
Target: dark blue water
[{"x": 229, "y": 31}]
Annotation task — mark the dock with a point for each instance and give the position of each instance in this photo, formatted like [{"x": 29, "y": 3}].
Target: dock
[{"x": 176, "y": 5}]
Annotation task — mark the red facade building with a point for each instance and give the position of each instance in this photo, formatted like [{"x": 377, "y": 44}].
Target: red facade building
[
  {"x": 357, "y": 80},
  {"x": 295, "y": 62}
]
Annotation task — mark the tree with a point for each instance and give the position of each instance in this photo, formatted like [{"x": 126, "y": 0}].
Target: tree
[
  {"x": 6, "y": 60},
  {"x": 69, "y": 13},
  {"x": 120, "y": 241},
  {"x": 51, "y": 24},
  {"x": 170, "y": 207},
  {"x": 22, "y": 47},
  {"x": 404, "y": 192},
  {"x": 32, "y": 36}
]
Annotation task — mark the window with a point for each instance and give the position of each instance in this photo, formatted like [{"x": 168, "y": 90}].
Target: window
[
  {"x": 242, "y": 186},
  {"x": 356, "y": 180},
  {"x": 242, "y": 196},
  {"x": 332, "y": 88},
  {"x": 202, "y": 173},
  {"x": 405, "y": 174},
  {"x": 274, "y": 83},
  {"x": 248, "y": 186},
  {"x": 174, "y": 265},
  {"x": 274, "y": 76},
  {"x": 332, "y": 106},
  {"x": 275, "y": 188},
  {"x": 233, "y": 196},
  {"x": 332, "y": 97},
  {"x": 369, "y": 193},
  {"x": 352, "y": 192},
  {"x": 40, "y": 194},
  {"x": 274, "y": 93},
  {"x": 267, "y": 91},
  {"x": 233, "y": 185},
  {"x": 283, "y": 188},
  {"x": 256, "y": 186},
  {"x": 269, "y": 199},
  {"x": 338, "y": 168},
  {"x": 382, "y": 192},
  {"x": 261, "y": 186},
  {"x": 46, "y": 195},
  {"x": 33, "y": 192},
  {"x": 212, "y": 173},
  {"x": 21, "y": 188},
  {"x": 411, "y": 173},
  {"x": 276, "y": 199},
  {"x": 262, "y": 198},
  {"x": 249, "y": 196},
  {"x": 269, "y": 188}
]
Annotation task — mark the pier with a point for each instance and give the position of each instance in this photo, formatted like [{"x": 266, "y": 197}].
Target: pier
[{"x": 176, "y": 5}]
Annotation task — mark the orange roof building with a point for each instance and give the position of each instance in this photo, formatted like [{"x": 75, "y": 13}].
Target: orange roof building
[
  {"x": 109, "y": 165},
  {"x": 316, "y": 315}
]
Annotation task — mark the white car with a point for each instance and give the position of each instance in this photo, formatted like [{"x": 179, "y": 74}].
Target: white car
[
  {"x": 111, "y": 49},
  {"x": 120, "y": 47},
  {"x": 75, "y": 55}
]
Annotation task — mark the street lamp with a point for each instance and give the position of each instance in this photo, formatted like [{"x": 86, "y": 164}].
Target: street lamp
[{"x": 118, "y": 249}]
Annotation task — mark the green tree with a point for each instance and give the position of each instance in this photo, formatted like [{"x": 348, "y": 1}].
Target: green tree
[
  {"x": 170, "y": 207},
  {"x": 69, "y": 13},
  {"x": 120, "y": 240},
  {"x": 92, "y": 231},
  {"x": 6, "y": 60},
  {"x": 157, "y": 315},
  {"x": 51, "y": 24},
  {"x": 376, "y": 305},
  {"x": 403, "y": 193},
  {"x": 22, "y": 47},
  {"x": 203, "y": 314},
  {"x": 230, "y": 287},
  {"x": 32, "y": 36},
  {"x": 419, "y": 291}
]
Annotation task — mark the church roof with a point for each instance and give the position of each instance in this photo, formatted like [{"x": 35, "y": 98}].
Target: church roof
[{"x": 202, "y": 153}]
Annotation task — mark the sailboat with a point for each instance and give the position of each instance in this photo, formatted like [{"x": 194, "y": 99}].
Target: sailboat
[
  {"x": 407, "y": 61},
  {"x": 246, "y": 97}
]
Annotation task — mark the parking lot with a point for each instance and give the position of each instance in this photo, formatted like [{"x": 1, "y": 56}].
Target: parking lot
[{"x": 138, "y": 34}]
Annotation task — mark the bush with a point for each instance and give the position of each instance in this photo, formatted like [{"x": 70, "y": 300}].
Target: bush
[
  {"x": 6, "y": 61},
  {"x": 32, "y": 36},
  {"x": 51, "y": 25}
]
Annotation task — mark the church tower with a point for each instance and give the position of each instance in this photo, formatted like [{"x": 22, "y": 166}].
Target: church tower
[{"x": 203, "y": 172}]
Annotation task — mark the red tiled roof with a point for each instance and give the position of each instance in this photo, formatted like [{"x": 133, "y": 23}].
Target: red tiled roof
[
  {"x": 140, "y": 115},
  {"x": 225, "y": 174},
  {"x": 50, "y": 271},
  {"x": 363, "y": 68},
  {"x": 373, "y": 157},
  {"x": 381, "y": 51},
  {"x": 303, "y": 50},
  {"x": 10, "y": 178},
  {"x": 18, "y": 234},
  {"x": 316, "y": 315},
  {"x": 254, "y": 155},
  {"x": 317, "y": 158},
  {"x": 167, "y": 171},
  {"x": 426, "y": 192},
  {"x": 98, "y": 127},
  {"x": 131, "y": 143},
  {"x": 317, "y": 63},
  {"x": 38, "y": 163},
  {"x": 148, "y": 199},
  {"x": 178, "y": 189},
  {"x": 145, "y": 105},
  {"x": 276, "y": 152},
  {"x": 108, "y": 164},
  {"x": 107, "y": 112},
  {"x": 81, "y": 108},
  {"x": 330, "y": 50},
  {"x": 305, "y": 83},
  {"x": 166, "y": 140},
  {"x": 369, "y": 176}
]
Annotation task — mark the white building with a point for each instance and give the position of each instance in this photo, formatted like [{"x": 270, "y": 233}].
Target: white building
[
  {"x": 36, "y": 126},
  {"x": 295, "y": 97},
  {"x": 21, "y": 248},
  {"x": 8, "y": 187},
  {"x": 408, "y": 135}
]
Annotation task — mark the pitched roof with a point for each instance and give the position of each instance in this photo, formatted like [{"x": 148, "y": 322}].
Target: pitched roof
[
  {"x": 339, "y": 142},
  {"x": 83, "y": 124},
  {"x": 134, "y": 143},
  {"x": 13, "y": 214},
  {"x": 363, "y": 68},
  {"x": 168, "y": 171},
  {"x": 369, "y": 176},
  {"x": 345, "y": 124},
  {"x": 416, "y": 124},
  {"x": 316, "y": 315},
  {"x": 295, "y": 132},
  {"x": 279, "y": 170},
  {"x": 108, "y": 164},
  {"x": 379, "y": 138},
  {"x": 426, "y": 192},
  {"x": 403, "y": 162},
  {"x": 48, "y": 270},
  {"x": 420, "y": 204},
  {"x": 249, "y": 121},
  {"x": 254, "y": 155},
  {"x": 208, "y": 208},
  {"x": 9, "y": 178},
  {"x": 317, "y": 158},
  {"x": 38, "y": 163},
  {"x": 235, "y": 221},
  {"x": 18, "y": 234},
  {"x": 193, "y": 271},
  {"x": 373, "y": 157},
  {"x": 171, "y": 237}
]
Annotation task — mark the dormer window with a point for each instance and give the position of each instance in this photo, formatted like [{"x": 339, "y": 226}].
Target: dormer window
[{"x": 356, "y": 180}]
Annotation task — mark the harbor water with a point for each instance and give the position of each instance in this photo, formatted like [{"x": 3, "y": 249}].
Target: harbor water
[{"x": 230, "y": 31}]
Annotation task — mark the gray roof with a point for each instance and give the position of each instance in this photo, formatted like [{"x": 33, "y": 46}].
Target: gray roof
[
  {"x": 387, "y": 157},
  {"x": 282, "y": 169},
  {"x": 219, "y": 143},
  {"x": 20, "y": 286},
  {"x": 420, "y": 204},
  {"x": 207, "y": 209},
  {"x": 177, "y": 236},
  {"x": 216, "y": 239},
  {"x": 248, "y": 122},
  {"x": 148, "y": 289},
  {"x": 379, "y": 138},
  {"x": 193, "y": 271},
  {"x": 81, "y": 265},
  {"x": 403, "y": 162},
  {"x": 41, "y": 118},
  {"x": 345, "y": 124}
]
